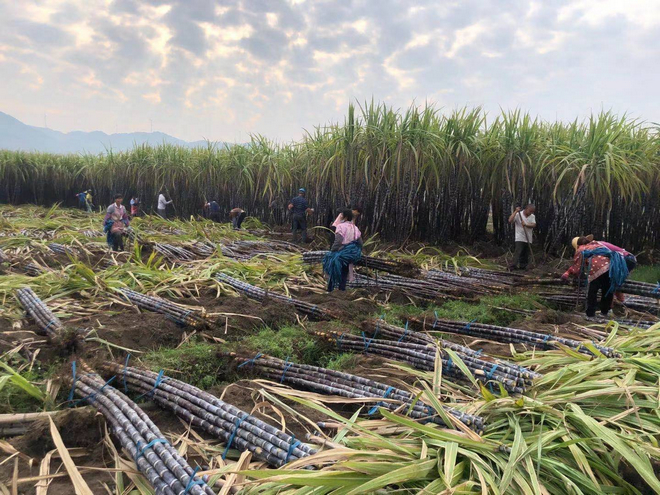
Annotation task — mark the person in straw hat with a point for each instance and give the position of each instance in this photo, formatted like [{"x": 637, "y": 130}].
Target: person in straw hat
[{"x": 596, "y": 259}]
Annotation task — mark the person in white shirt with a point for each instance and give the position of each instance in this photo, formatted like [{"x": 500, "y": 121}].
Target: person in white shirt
[
  {"x": 525, "y": 223},
  {"x": 162, "y": 205}
]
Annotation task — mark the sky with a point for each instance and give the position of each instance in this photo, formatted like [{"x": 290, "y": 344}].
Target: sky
[{"x": 220, "y": 70}]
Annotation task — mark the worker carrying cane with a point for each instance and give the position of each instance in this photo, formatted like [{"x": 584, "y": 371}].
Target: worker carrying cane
[{"x": 525, "y": 222}]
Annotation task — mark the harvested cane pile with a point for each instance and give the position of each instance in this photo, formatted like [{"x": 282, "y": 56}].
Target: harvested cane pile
[
  {"x": 176, "y": 313},
  {"x": 424, "y": 289},
  {"x": 161, "y": 464},
  {"x": 643, "y": 289},
  {"x": 61, "y": 249},
  {"x": 39, "y": 312},
  {"x": 396, "y": 267},
  {"x": 173, "y": 253},
  {"x": 331, "y": 382},
  {"x": 423, "y": 357},
  {"x": 514, "y": 336},
  {"x": 478, "y": 286},
  {"x": 233, "y": 426},
  {"x": 244, "y": 250},
  {"x": 310, "y": 310},
  {"x": 572, "y": 300}
]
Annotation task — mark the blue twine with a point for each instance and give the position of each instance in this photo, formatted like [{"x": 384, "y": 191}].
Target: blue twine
[
  {"x": 73, "y": 385},
  {"x": 404, "y": 333},
  {"x": 140, "y": 452},
  {"x": 126, "y": 366},
  {"x": 192, "y": 482},
  {"x": 251, "y": 361},
  {"x": 160, "y": 379},
  {"x": 367, "y": 343},
  {"x": 467, "y": 327},
  {"x": 233, "y": 435},
  {"x": 92, "y": 397},
  {"x": 287, "y": 365},
  {"x": 435, "y": 313},
  {"x": 48, "y": 325},
  {"x": 546, "y": 338},
  {"x": 489, "y": 375},
  {"x": 380, "y": 403},
  {"x": 338, "y": 340},
  {"x": 292, "y": 447},
  {"x": 657, "y": 289},
  {"x": 450, "y": 364},
  {"x": 479, "y": 352}
]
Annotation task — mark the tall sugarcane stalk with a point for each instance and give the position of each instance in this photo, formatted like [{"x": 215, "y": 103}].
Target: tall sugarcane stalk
[
  {"x": 333, "y": 382},
  {"x": 261, "y": 295},
  {"x": 508, "y": 335},
  {"x": 39, "y": 312},
  {"x": 214, "y": 416},
  {"x": 160, "y": 463},
  {"x": 174, "y": 312}
]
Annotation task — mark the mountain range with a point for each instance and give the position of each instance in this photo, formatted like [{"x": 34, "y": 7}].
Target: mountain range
[{"x": 15, "y": 135}]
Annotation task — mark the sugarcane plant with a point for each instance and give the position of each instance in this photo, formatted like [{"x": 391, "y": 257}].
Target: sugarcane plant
[{"x": 331, "y": 382}]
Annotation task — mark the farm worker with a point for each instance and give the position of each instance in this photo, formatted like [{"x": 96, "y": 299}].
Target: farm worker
[
  {"x": 135, "y": 206},
  {"x": 345, "y": 252},
  {"x": 237, "y": 215},
  {"x": 357, "y": 211},
  {"x": 89, "y": 200},
  {"x": 606, "y": 266},
  {"x": 214, "y": 211},
  {"x": 525, "y": 222},
  {"x": 115, "y": 223},
  {"x": 162, "y": 204},
  {"x": 82, "y": 202},
  {"x": 299, "y": 209}
]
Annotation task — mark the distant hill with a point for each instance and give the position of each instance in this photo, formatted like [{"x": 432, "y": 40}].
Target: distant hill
[{"x": 15, "y": 135}]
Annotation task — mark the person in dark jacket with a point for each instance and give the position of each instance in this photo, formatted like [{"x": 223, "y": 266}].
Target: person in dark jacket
[
  {"x": 299, "y": 208},
  {"x": 214, "y": 211}
]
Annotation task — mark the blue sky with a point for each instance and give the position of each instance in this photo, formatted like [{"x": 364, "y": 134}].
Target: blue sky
[{"x": 220, "y": 70}]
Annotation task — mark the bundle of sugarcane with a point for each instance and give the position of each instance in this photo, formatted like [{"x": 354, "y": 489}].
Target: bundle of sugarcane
[
  {"x": 174, "y": 312},
  {"x": 218, "y": 418},
  {"x": 414, "y": 287},
  {"x": 173, "y": 253},
  {"x": 572, "y": 300},
  {"x": 39, "y": 312},
  {"x": 499, "y": 276},
  {"x": 450, "y": 280},
  {"x": 3, "y": 257},
  {"x": 629, "y": 287},
  {"x": 33, "y": 270},
  {"x": 247, "y": 249},
  {"x": 331, "y": 382},
  {"x": 38, "y": 234},
  {"x": 379, "y": 328},
  {"x": 627, "y": 322},
  {"x": 19, "y": 424},
  {"x": 423, "y": 357},
  {"x": 311, "y": 310},
  {"x": 61, "y": 249},
  {"x": 512, "y": 335},
  {"x": 389, "y": 266},
  {"x": 92, "y": 233},
  {"x": 156, "y": 459},
  {"x": 203, "y": 249}
]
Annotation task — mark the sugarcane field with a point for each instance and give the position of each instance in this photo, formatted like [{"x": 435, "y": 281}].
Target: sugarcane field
[
  {"x": 211, "y": 351},
  {"x": 329, "y": 247}
]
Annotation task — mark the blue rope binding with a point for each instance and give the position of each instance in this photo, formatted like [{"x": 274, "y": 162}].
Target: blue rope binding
[
  {"x": 251, "y": 361},
  {"x": 380, "y": 403},
  {"x": 126, "y": 366},
  {"x": 193, "y": 482},
  {"x": 287, "y": 365},
  {"x": 237, "y": 424},
  {"x": 160, "y": 379},
  {"x": 404, "y": 333},
  {"x": 292, "y": 447},
  {"x": 140, "y": 452}
]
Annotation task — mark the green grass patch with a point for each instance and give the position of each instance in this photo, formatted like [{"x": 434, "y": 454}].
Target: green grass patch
[
  {"x": 343, "y": 362},
  {"x": 488, "y": 310},
  {"x": 646, "y": 273},
  {"x": 287, "y": 342},
  {"x": 196, "y": 363}
]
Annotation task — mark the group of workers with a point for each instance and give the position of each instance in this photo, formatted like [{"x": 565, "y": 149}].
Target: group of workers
[{"x": 600, "y": 266}]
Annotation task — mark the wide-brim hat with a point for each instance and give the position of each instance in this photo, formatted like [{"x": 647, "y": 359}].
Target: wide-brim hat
[{"x": 574, "y": 242}]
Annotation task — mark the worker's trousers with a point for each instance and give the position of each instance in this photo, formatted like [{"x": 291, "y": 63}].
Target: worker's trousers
[
  {"x": 299, "y": 223},
  {"x": 161, "y": 213},
  {"x": 601, "y": 284},
  {"x": 521, "y": 255}
]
